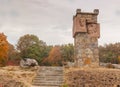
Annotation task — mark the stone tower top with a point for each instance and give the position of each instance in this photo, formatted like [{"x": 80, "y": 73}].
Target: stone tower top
[
  {"x": 95, "y": 12},
  {"x": 83, "y": 20}
]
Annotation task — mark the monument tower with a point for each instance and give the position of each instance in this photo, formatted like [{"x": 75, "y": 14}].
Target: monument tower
[{"x": 86, "y": 32}]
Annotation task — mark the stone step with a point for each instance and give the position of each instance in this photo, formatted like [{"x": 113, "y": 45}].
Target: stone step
[
  {"x": 45, "y": 75},
  {"x": 49, "y": 74},
  {"x": 50, "y": 69},
  {"x": 57, "y": 72},
  {"x": 37, "y": 81},
  {"x": 51, "y": 83},
  {"x": 53, "y": 69},
  {"x": 42, "y": 76},
  {"x": 51, "y": 80},
  {"x": 49, "y": 77},
  {"x": 45, "y": 86}
]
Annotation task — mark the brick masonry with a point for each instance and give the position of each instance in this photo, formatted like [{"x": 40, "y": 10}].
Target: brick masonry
[{"x": 86, "y": 32}]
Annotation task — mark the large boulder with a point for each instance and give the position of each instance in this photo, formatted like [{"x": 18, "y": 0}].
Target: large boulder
[{"x": 28, "y": 62}]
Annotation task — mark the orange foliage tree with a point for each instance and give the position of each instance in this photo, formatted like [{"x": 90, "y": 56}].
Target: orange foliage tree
[
  {"x": 3, "y": 49},
  {"x": 13, "y": 56},
  {"x": 54, "y": 57}
]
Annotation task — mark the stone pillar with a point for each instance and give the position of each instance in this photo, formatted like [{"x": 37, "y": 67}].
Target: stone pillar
[{"x": 86, "y": 32}]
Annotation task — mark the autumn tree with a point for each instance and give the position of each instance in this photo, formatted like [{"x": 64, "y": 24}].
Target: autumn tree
[
  {"x": 31, "y": 47},
  {"x": 109, "y": 53},
  {"x": 11, "y": 52},
  {"x": 3, "y": 49},
  {"x": 13, "y": 55},
  {"x": 67, "y": 51},
  {"x": 118, "y": 59},
  {"x": 54, "y": 57}
]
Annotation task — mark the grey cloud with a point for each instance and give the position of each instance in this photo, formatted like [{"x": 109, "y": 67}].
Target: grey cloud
[
  {"x": 60, "y": 27},
  {"x": 51, "y": 20},
  {"x": 117, "y": 12}
]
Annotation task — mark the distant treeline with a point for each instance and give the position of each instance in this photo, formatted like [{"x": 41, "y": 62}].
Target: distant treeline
[
  {"x": 110, "y": 53},
  {"x": 30, "y": 46}
]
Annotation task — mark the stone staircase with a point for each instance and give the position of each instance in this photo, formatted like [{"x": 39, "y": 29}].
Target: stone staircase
[{"x": 48, "y": 77}]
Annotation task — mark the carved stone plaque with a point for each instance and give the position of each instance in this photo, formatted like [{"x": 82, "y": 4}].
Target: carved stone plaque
[
  {"x": 81, "y": 25},
  {"x": 94, "y": 30}
]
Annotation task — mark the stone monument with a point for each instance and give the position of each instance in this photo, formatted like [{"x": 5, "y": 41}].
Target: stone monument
[{"x": 86, "y": 32}]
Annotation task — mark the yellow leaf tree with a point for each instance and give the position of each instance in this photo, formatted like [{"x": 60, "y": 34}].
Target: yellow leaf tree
[
  {"x": 3, "y": 49},
  {"x": 54, "y": 57}
]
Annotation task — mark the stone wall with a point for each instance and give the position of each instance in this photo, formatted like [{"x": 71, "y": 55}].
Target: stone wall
[
  {"x": 93, "y": 78},
  {"x": 86, "y": 50}
]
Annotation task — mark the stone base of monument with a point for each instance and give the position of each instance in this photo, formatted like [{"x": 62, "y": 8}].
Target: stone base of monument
[
  {"x": 91, "y": 65},
  {"x": 98, "y": 77}
]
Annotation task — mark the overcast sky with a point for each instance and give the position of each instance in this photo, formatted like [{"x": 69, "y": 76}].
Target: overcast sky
[{"x": 51, "y": 20}]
